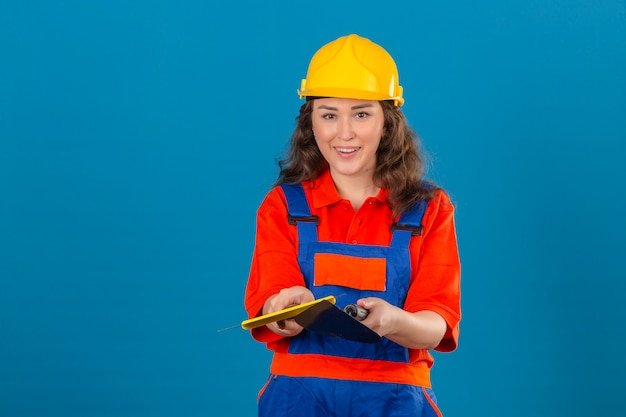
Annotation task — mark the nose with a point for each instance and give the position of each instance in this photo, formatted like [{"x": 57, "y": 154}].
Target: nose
[{"x": 345, "y": 130}]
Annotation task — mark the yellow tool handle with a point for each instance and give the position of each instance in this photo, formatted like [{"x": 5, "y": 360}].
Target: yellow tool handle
[{"x": 287, "y": 313}]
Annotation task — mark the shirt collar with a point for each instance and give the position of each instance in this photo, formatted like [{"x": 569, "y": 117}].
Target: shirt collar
[{"x": 324, "y": 192}]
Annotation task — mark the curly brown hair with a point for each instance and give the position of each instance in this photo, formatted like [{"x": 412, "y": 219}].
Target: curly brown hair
[{"x": 399, "y": 158}]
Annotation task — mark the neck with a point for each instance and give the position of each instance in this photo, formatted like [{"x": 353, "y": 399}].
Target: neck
[{"x": 355, "y": 189}]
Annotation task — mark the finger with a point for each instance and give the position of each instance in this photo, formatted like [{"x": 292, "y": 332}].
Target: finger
[{"x": 366, "y": 303}]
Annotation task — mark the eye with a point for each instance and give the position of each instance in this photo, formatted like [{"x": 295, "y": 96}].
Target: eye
[
  {"x": 361, "y": 115},
  {"x": 328, "y": 116}
]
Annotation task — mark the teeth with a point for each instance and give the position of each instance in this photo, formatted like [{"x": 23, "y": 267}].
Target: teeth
[{"x": 347, "y": 150}]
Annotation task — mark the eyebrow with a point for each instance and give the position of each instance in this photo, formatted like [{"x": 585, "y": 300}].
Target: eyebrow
[{"x": 357, "y": 107}]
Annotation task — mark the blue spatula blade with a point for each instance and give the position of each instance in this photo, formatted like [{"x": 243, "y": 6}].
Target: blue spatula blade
[{"x": 328, "y": 319}]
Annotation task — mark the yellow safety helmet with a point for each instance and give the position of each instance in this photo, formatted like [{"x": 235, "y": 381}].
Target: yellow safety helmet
[{"x": 352, "y": 67}]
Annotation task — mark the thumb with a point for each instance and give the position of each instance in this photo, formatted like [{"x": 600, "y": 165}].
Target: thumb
[{"x": 367, "y": 303}]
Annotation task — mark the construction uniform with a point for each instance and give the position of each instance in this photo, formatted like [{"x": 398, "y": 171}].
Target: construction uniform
[{"x": 308, "y": 235}]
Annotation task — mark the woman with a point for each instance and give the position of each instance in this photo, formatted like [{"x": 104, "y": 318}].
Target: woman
[{"x": 351, "y": 216}]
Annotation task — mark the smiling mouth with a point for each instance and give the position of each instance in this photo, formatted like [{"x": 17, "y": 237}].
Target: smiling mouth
[{"x": 347, "y": 150}]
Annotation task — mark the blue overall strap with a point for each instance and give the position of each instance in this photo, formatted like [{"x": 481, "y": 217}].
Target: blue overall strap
[
  {"x": 409, "y": 224},
  {"x": 299, "y": 212}
]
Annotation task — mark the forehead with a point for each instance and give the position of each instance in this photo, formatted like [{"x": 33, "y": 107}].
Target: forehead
[{"x": 344, "y": 103}]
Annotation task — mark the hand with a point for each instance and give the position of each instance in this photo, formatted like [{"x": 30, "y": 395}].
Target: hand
[
  {"x": 285, "y": 298},
  {"x": 420, "y": 330},
  {"x": 381, "y": 314}
]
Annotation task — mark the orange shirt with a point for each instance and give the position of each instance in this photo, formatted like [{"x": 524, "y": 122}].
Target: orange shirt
[{"x": 435, "y": 268}]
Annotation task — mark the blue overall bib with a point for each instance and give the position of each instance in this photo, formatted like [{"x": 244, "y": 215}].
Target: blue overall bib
[{"x": 307, "y": 396}]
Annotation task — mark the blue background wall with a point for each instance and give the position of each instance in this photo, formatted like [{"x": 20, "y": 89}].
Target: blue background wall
[{"x": 138, "y": 138}]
